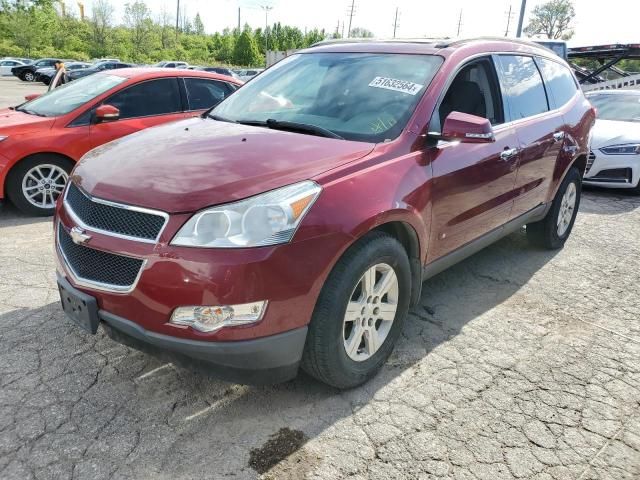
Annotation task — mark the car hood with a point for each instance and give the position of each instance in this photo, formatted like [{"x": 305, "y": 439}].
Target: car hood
[
  {"x": 195, "y": 163},
  {"x": 611, "y": 132},
  {"x": 12, "y": 121}
]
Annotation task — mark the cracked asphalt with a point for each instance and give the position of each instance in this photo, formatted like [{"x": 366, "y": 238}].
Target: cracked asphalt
[{"x": 518, "y": 363}]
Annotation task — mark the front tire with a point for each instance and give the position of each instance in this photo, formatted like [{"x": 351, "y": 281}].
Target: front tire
[
  {"x": 28, "y": 77},
  {"x": 35, "y": 183},
  {"x": 554, "y": 229},
  {"x": 360, "y": 312}
]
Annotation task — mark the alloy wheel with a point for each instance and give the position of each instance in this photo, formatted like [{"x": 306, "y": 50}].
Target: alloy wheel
[
  {"x": 567, "y": 206},
  {"x": 370, "y": 312},
  {"x": 43, "y": 184}
]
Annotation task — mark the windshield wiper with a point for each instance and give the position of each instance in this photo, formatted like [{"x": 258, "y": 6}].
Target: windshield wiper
[
  {"x": 221, "y": 119},
  {"x": 30, "y": 112},
  {"x": 292, "y": 127}
]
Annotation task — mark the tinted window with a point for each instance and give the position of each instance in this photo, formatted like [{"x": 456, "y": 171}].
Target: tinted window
[
  {"x": 204, "y": 93},
  {"x": 558, "y": 80},
  {"x": 155, "y": 97},
  {"x": 522, "y": 86}
]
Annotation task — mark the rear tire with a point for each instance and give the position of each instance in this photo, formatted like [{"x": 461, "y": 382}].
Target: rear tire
[
  {"x": 28, "y": 77},
  {"x": 25, "y": 180},
  {"x": 554, "y": 229},
  {"x": 345, "y": 347}
]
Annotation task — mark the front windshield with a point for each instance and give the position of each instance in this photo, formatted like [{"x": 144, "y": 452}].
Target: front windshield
[
  {"x": 363, "y": 97},
  {"x": 621, "y": 107},
  {"x": 67, "y": 98}
]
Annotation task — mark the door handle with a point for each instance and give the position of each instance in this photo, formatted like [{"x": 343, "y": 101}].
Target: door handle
[
  {"x": 558, "y": 136},
  {"x": 508, "y": 154}
]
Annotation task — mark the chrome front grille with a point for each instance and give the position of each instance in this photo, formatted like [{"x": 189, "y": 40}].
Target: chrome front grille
[
  {"x": 112, "y": 218},
  {"x": 98, "y": 269},
  {"x": 590, "y": 159}
]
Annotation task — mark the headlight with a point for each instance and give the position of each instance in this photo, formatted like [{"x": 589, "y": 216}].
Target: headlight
[
  {"x": 266, "y": 219},
  {"x": 3, "y": 137},
  {"x": 629, "y": 149}
]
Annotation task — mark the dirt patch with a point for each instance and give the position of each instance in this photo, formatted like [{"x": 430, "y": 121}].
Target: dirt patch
[{"x": 279, "y": 446}]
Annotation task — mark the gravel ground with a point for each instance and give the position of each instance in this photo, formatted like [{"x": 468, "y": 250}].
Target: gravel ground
[{"x": 518, "y": 363}]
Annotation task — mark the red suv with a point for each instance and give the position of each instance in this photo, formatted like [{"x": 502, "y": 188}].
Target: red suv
[
  {"x": 294, "y": 223},
  {"x": 41, "y": 139}
]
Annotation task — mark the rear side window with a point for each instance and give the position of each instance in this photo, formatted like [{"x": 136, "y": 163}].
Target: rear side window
[
  {"x": 522, "y": 86},
  {"x": 203, "y": 93},
  {"x": 558, "y": 80},
  {"x": 155, "y": 97}
]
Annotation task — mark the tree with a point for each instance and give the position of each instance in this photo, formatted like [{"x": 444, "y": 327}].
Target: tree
[
  {"x": 246, "y": 51},
  {"x": 198, "y": 26},
  {"x": 101, "y": 20},
  {"x": 361, "y": 33},
  {"x": 167, "y": 31},
  {"x": 552, "y": 19},
  {"x": 137, "y": 17}
]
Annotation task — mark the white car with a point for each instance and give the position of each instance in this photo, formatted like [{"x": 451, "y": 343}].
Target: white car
[
  {"x": 614, "y": 160},
  {"x": 6, "y": 64}
]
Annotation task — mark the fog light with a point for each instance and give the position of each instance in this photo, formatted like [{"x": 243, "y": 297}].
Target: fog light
[{"x": 209, "y": 319}]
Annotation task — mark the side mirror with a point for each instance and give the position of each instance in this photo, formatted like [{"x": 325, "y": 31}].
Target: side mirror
[
  {"x": 32, "y": 96},
  {"x": 107, "y": 113},
  {"x": 467, "y": 128}
]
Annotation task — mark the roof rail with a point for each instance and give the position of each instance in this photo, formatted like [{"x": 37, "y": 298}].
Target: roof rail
[{"x": 442, "y": 42}]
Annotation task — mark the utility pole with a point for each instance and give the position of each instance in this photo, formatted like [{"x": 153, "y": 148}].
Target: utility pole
[
  {"x": 178, "y": 19},
  {"x": 459, "y": 23},
  {"x": 509, "y": 15},
  {"x": 395, "y": 24},
  {"x": 238, "y": 18},
  {"x": 523, "y": 7},
  {"x": 266, "y": 9},
  {"x": 352, "y": 12}
]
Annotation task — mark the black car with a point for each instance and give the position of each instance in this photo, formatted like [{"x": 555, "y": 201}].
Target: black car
[
  {"x": 98, "y": 67},
  {"x": 27, "y": 73},
  {"x": 45, "y": 75}
]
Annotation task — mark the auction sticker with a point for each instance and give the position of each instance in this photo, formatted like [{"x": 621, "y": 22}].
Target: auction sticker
[{"x": 396, "y": 85}]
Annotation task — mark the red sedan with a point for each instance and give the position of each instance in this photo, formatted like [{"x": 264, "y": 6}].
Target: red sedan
[{"x": 41, "y": 140}]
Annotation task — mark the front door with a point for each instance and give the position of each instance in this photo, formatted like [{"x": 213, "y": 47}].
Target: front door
[
  {"x": 141, "y": 106},
  {"x": 473, "y": 184}
]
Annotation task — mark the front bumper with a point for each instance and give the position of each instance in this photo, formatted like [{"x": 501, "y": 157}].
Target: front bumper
[{"x": 607, "y": 170}]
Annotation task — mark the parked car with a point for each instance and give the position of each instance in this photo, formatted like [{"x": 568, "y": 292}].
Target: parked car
[
  {"x": 294, "y": 224},
  {"x": 614, "y": 160},
  {"x": 246, "y": 75},
  {"x": 27, "y": 73},
  {"x": 26, "y": 61},
  {"x": 171, "y": 64},
  {"x": 6, "y": 64},
  {"x": 221, "y": 70},
  {"x": 96, "y": 68},
  {"x": 45, "y": 75},
  {"x": 42, "y": 139}
]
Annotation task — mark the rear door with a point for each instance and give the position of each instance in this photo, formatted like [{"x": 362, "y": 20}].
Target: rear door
[
  {"x": 473, "y": 186},
  {"x": 204, "y": 93},
  {"x": 539, "y": 130},
  {"x": 141, "y": 106}
]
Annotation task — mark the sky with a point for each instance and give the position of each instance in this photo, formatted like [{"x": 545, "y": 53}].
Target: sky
[{"x": 596, "y": 22}]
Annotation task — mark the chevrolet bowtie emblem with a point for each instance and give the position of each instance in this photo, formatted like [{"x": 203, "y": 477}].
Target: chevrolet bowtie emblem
[{"x": 78, "y": 236}]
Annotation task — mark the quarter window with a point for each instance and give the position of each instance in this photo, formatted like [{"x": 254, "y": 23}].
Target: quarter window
[
  {"x": 558, "y": 80},
  {"x": 204, "y": 93},
  {"x": 522, "y": 85},
  {"x": 155, "y": 97}
]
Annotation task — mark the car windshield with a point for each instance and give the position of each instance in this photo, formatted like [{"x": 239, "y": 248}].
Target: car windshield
[
  {"x": 67, "y": 98},
  {"x": 624, "y": 108},
  {"x": 362, "y": 97}
]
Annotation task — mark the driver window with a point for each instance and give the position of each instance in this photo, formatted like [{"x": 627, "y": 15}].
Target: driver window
[{"x": 474, "y": 91}]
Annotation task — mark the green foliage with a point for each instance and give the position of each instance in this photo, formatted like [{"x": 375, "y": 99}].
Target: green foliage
[
  {"x": 361, "y": 33},
  {"x": 552, "y": 20},
  {"x": 246, "y": 50},
  {"x": 37, "y": 28}
]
